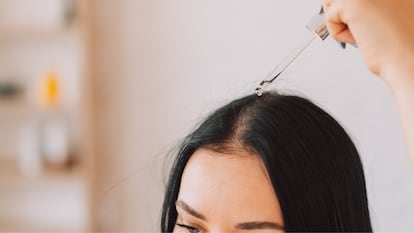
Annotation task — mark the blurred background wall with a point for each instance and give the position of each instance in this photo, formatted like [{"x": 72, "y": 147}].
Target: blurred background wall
[{"x": 135, "y": 76}]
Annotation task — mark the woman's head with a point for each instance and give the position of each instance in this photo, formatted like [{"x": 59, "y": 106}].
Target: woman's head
[{"x": 262, "y": 162}]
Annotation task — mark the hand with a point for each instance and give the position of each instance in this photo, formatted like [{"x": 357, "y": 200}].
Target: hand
[{"x": 383, "y": 31}]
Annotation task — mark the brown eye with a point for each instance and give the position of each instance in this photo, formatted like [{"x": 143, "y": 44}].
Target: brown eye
[{"x": 190, "y": 229}]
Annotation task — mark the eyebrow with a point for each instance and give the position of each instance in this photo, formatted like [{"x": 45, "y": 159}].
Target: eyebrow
[
  {"x": 190, "y": 210},
  {"x": 241, "y": 226},
  {"x": 259, "y": 226}
]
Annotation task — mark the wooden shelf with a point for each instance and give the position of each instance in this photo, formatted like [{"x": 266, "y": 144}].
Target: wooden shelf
[
  {"x": 57, "y": 199},
  {"x": 40, "y": 34}
]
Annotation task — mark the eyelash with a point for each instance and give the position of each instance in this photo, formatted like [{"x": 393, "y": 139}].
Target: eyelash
[{"x": 189, "y": 228}]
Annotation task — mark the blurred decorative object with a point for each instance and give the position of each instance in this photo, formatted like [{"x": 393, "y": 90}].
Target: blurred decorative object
[
  {"x": 54, "y": 132},
  {"x": 49, "y": 90},
  {"x": 55, "y": 140},
  {"x": 70, "y": 12},
  {"x": 9, "y": 90}
]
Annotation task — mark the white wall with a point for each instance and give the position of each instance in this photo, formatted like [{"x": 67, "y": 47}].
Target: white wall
[{"x": 159, "y": 66}]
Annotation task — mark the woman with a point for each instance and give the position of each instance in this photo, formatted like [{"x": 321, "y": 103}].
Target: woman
[
  {"x": 275, "y": 162},
  {"x": 286, "y": 163}
]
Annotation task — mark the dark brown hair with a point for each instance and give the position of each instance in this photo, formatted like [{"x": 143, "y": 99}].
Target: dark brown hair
[{"x": 314, "y": 166}]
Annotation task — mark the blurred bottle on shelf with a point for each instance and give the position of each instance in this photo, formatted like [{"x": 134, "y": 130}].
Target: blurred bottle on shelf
[
  {"x": 54, "y": 131},
  {"x": 69, "y": 12},
  {"x": 49, "y": 90}
]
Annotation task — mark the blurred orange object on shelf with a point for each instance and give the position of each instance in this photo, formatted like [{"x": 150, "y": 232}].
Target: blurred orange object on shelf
[{"x": 49, "y": 90}]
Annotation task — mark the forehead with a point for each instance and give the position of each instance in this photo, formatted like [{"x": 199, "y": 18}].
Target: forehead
[{"x": 233, "y": 186}]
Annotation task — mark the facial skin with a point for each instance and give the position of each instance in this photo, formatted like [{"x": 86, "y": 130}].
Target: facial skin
[{"x": 226, "y": 193}]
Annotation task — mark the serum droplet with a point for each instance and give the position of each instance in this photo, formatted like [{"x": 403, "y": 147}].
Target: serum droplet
[{"x": 259, "y": 92}]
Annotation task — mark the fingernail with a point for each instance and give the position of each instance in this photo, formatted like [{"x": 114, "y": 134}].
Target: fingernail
[{"x": 342, "y": 45}]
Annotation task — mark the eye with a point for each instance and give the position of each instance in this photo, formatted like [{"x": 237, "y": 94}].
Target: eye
[{"x": 190, "y": 229}]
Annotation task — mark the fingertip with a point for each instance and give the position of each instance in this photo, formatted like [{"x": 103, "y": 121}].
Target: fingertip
[
  {"x": 342, "y": 45},
  {"x": 344, "y": 36}
]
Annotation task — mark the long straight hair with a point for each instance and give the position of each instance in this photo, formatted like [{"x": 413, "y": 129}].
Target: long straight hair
[{"x": 312, "y": 163}]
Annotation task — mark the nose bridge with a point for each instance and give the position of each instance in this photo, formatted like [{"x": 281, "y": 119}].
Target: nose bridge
[
  {"x": 220, "y": 223},
  {"x": 220, "y": 229}
]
